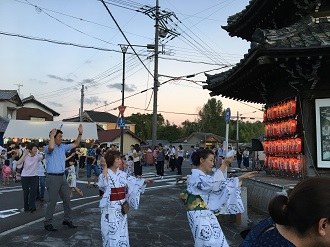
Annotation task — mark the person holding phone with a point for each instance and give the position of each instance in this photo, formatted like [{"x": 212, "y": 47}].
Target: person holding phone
[{"x": 29, "y": 176}]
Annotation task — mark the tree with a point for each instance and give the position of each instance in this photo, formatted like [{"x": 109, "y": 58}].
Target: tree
[
  {"x": 189, "y": 127},
  {"x": 143, "y": 124},
  {"x": 210, "y": 117},
  {"x": 169, "y": 132}
]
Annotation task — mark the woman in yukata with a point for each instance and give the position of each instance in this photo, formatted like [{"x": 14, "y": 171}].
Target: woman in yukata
[
  {"x": 117, "y": 187},
  {"x": 209, "y": 195}
]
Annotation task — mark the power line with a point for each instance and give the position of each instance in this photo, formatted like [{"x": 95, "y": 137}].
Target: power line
[{"x": 125, "y": 36}]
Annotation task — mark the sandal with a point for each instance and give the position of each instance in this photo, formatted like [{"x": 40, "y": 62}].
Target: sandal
[
  {"x": 95, "y": 186},
  {"x": 88, "y": 186}
]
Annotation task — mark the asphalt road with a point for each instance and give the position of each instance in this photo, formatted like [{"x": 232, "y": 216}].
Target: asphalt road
[{"x": 12, "y": 214}]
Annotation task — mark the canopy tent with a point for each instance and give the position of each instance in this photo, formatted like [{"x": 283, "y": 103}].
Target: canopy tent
[{"x": 40, "y": 129}]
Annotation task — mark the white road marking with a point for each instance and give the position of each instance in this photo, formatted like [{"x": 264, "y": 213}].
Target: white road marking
[{"x": 9, "y": 212}]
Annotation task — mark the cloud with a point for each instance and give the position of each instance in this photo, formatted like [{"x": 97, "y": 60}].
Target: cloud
[
  {"x": 88, "y": 61},
  {"x": 54, "y": 104},
  {"x": 93, "y": 100},
  {"x": 60, "y": 78},
  {"x": 39, "y": 81},
  {"x": 88, "y": 81},
  {"x": 128, "y": 88}
]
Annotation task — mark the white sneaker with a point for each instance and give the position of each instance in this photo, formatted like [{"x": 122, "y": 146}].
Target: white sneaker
[{"x": 161, "y": 177}]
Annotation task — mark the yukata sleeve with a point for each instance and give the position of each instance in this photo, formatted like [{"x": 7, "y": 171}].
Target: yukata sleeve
[
  {"x": 227, "y": 198},
  {"x": 135, "y": 187},
  {"x": 206, "y": 183},
  {"x": 103, "y": 186}
]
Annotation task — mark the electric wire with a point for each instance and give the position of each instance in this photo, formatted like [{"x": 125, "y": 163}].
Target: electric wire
[{"x": 125, "y": 36}]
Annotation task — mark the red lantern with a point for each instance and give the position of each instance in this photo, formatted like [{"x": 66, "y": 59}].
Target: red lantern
[{"x": 292, "y": 107}]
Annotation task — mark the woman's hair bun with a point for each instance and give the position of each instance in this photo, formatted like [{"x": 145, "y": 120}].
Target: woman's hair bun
[{"x": 278, "y": 209}]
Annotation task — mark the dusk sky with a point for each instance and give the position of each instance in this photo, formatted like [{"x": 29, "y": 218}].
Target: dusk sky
[{"x": 54, "y": 73}]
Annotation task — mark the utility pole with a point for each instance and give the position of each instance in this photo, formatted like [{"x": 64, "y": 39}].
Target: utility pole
[
  {"x": 156, "y": 83},
  {"x": 81, "y": 103},
  {"x": 162, "y": 30},
  {"x": 19, "y": 88},
  {"x": 124, "y": 50}
]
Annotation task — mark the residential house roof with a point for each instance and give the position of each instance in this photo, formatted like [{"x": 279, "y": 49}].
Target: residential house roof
[
  {"x": 3, "y": 124},
  {"x": 96, "y": 116},
  {"x": 110, "y": 135},
  {"x": 12, "y": 96},
  {"x": 203, "y": 136},
  {"x": 32, "y": 99}
]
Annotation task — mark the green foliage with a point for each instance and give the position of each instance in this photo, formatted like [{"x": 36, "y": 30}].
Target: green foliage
[
  {"x": 143, "y": 124},
  {"x": 210, "y": 120}
]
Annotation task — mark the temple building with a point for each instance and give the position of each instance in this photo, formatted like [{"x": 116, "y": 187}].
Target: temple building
[{"x": 287, "y": 68}]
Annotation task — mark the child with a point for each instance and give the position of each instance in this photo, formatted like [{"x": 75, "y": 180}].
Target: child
[
  {"x": 13, "y": 171},
  {"x": 3, "y": 157},
  {"x": 72, "y": 179},
  {"x": 130, "y": 166},
  {"x": 6, "y": 171},
  {"x": 123, "y": 163}
]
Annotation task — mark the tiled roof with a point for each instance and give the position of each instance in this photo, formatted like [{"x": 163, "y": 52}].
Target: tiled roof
[
  {"x": 269, "y": 14},
  {"x": 110, "y": 135},
  {"x": 103, "y": 117},
  {"x": 7, "y": 94},
  {"x": 202, "y": 136},
  {"x": 32, "y": 99},
  {"x": 3, "y": 124},
  {"x": 303, "y": 39}
]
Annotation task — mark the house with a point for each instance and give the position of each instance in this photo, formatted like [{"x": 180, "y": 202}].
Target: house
[
  {"x": 113, "y": 136},
  {"x": 106, "y": 120},
  {"x": 33, "y": 109},
  {"x": 3, "y": 126},
  {"x": 9, "y": 103},
  {"x": 199, "y": 139}
]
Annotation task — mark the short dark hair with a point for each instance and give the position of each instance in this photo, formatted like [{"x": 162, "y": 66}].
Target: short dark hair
[
  {"x": 41, "y": 144},
  {"x": 58, "y": 131},
  {"x": 31, "y": 145},
  {"x": 110, "y": 157}
]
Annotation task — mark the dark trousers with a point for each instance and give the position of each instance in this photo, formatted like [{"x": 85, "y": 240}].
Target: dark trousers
[
  {"x": 82, "y": 160},
  {"x": 179, "y": 165},
  {"x": 160, "y": 168},
  {"x": 29, "y": 186},
  {"x": 172, "y": 164},
  {"x": 239, "y": 162},
  {"x": 137, "y": 168}
]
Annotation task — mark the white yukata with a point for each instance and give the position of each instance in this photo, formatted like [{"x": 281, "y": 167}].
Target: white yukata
[
  {"x": 220, "y": 196},
  {"x": 114, "y": 227}
]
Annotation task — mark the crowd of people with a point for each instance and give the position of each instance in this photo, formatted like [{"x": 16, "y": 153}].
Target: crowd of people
[{"x": 120, "y": 183}]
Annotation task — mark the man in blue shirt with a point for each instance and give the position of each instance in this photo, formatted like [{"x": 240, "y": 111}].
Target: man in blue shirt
[{"x": 56, "y": 182}]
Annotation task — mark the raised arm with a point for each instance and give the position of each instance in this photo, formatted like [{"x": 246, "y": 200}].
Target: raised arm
[
  {"x": 20, "y": 161},
  {"x": 51, "y": 143},
  {"x": 225, "y": 163},
  {"x": 78, "y": 140}
]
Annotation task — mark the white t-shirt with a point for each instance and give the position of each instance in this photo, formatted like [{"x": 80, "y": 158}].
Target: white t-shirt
[
  {"x": 180, "y": 153},
  {"x": 137, "y": 158}
]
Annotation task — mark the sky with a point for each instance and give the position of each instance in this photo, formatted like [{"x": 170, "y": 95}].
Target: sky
[{"x": 55, "y": 69}]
